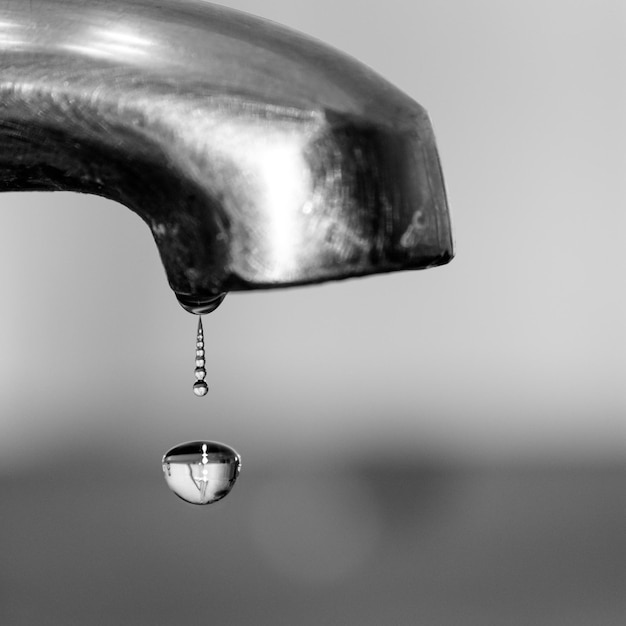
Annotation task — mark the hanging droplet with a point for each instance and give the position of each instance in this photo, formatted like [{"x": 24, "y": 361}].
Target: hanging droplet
[
  {"x": 200, "y": 388},
  {"x": 201, "y": 472}
]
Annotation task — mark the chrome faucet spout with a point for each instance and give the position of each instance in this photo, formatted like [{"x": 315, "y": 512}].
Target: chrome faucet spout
[{"x": 259, "y": 158}]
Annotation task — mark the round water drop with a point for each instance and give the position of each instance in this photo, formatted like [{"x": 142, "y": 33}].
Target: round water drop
[
  {"x": 200, "y": 373},
  {"x": 201, "y": 472},
  {"x": 200, "y": 388}
]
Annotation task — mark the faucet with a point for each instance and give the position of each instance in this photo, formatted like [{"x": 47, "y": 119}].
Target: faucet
[{"x": 258, "y": 157}]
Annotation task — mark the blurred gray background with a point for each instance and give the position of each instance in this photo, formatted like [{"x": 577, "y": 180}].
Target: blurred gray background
[{"x": 444, "y": 447}]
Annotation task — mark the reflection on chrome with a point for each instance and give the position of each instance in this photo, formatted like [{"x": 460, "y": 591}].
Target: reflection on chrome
[
  {"x": 284, "y": 183},
  {"x": 10, "y": 36},
  {"x": 119, "y": 44}
]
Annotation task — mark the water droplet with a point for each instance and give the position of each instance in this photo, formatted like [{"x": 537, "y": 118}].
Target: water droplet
[
  {"x": 200, "y": 388},
  {"x": 200, "y": 373},
  {"x": 201, "y": 472}
]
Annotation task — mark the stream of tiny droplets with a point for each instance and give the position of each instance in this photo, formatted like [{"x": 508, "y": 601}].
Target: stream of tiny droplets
[{"x": 200, "y": 388}]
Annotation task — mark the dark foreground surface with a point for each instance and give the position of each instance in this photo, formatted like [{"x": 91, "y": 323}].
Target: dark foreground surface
[{"x": 89, "y": 543}]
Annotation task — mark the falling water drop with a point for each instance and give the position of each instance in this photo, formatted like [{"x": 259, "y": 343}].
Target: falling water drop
[
  {"x": 200, "y": 388},
  {"x": 201, "y": 472}
]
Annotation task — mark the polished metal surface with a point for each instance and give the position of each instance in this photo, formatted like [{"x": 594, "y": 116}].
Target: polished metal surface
[{"x": 258, "y": 157}]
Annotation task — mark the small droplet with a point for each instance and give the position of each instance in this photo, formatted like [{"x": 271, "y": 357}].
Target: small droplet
[
  {"x": 200, "y": 373},
  {"x": 201, "y": 472},
  {"x": 200, "y": 362},
  {"x": 200, "y": 388},
  {"x": 199, "y": 352}
]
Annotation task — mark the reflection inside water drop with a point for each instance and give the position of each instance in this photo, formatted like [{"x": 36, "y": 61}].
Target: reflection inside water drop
[{"x": 201, "y": 472}]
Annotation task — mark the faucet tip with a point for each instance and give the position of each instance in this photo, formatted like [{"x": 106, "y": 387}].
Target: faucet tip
[{"x": 200, "y": 306}]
